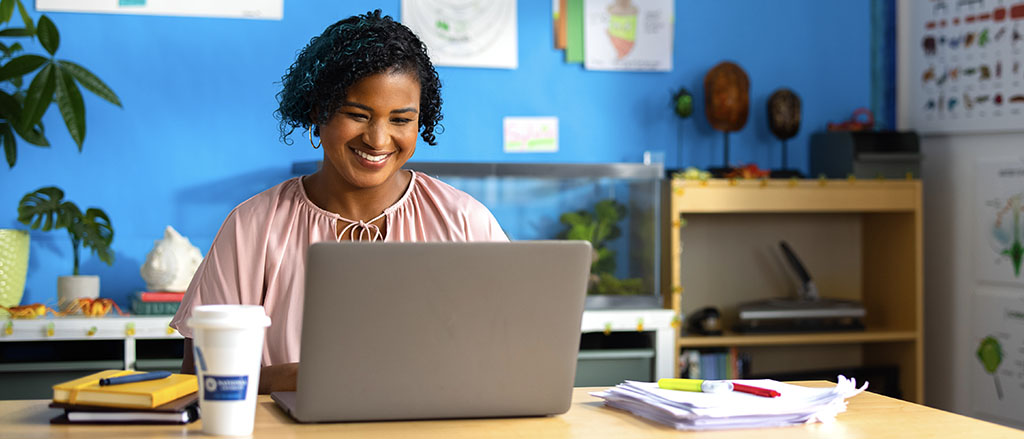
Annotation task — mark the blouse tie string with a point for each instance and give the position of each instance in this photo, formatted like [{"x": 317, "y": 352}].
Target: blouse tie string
[{"x": 362, "y": 230}]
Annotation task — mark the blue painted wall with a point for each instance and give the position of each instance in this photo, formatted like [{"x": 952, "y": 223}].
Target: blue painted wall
[{"x": 197, "y": 136}]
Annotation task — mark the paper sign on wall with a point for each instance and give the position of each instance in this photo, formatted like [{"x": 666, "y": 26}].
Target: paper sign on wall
[
  {"x": 999, "y": 243},
  {"x": 466, "y": 34},
  {"x": 531, "y": 134},
  {"x": 965, "y": 65},
  {"x": 628, "y": 34},
  {"x": 261, "y": 9},
  {"x": 997, "y": 363}
]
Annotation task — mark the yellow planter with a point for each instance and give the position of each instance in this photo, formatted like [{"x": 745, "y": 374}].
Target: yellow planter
[{"x": 13, "y": 266}]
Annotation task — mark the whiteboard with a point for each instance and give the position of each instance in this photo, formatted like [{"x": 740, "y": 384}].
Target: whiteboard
[
  {"x": 259, "y": 9},
  {"x": 966, "y": 65}
]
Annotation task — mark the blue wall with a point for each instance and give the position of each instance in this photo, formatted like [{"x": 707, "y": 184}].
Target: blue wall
[{"x": 197, "y": 136}]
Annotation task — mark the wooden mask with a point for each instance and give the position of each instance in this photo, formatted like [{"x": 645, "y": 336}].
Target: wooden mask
[
  {"x": 784, "y": 113},
  {"x": 726, "y": 97}
]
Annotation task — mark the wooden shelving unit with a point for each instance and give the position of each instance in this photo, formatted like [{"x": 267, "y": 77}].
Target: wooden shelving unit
[{"x": 863, "y": 235}]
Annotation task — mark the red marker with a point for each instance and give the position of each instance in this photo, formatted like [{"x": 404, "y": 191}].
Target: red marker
[{"x": 759, "y": 391}]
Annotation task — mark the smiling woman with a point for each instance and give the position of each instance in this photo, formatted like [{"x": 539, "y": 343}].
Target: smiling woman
[{"x": 367, "y": 89}]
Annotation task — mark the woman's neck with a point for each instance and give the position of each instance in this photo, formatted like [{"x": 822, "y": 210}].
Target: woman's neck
[{"x": 334, "y": 194}]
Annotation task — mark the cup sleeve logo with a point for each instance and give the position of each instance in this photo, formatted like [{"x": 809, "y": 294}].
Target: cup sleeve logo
[{"x": 225, "y": 388}]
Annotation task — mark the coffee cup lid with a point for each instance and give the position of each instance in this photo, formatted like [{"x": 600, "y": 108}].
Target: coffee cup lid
[{"x": 228, "y": 317}]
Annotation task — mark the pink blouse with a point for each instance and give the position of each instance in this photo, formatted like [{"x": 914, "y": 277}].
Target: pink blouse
[{"x": 259, "y": 254}]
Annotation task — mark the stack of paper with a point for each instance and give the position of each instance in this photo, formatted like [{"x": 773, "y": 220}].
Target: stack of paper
[{"x": 715, "y": 411}]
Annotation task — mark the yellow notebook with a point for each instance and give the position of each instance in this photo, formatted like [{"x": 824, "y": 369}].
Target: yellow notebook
[{"x": 143, "y": 394}]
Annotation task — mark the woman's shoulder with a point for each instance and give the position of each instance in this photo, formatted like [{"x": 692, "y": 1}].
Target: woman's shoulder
[{"x": 444, "y": 195}]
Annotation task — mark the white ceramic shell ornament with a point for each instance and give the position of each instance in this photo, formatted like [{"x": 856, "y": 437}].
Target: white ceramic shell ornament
[{"x": 171, "y": 264}]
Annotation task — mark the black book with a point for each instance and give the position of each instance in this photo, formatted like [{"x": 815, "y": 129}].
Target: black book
[{"x": 183, "y": 410}]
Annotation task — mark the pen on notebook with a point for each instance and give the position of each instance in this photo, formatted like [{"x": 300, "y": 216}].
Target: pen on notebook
[
  {"x": 134, "y": 378},
  {"x": 714, "y": 386}
]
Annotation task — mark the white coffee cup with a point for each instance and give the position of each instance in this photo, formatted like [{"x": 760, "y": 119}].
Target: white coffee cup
[{"x": 228, "y": 344}]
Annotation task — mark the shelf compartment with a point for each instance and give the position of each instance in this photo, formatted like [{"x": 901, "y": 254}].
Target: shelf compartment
[
  {"x": 794, "y": 196},
  {"x": 792, "y": 339}
]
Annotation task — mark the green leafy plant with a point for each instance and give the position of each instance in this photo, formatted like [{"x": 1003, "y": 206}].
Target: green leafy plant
[
  {"x": 22, "y": 109},
  {"x": 599, "y": 228},
  {"x": 45, "y": 209}
]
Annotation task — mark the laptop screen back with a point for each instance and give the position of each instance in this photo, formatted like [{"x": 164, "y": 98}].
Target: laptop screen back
[{"x": 440, "y": 330}]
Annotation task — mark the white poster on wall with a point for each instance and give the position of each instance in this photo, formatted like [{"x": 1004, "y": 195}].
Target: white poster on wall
[
  {"x": 966, "y": 65},
  {"x": 997, "y": 363},
  {"x": 999, "y": 242},
  {"x": 530, "y": 134},
  {"x": 262, "y": 9},
  {"x": 628, "y": 34},
  {"x": 466, "y": 33}
]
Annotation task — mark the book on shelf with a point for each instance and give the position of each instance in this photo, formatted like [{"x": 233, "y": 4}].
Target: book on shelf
[
  {"x": 714, "y": 364},
  {"x": 138, "y": 395},
  {"x": 161, "y": 296},
  {"x": 153, "y": 303},
  {"x": 183, "y": 410}
]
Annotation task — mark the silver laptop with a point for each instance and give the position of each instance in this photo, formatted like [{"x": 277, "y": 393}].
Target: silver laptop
[{"x": 439, "y": 330}]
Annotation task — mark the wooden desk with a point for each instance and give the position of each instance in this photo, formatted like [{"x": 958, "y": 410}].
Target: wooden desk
[{"x": 869, "y": 416}]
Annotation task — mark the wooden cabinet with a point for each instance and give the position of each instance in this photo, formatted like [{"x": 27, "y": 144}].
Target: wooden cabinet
[{"x": 860, "y": 239}]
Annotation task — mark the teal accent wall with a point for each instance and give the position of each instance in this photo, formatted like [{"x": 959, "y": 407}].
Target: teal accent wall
[{"x": 197, "y": 135}]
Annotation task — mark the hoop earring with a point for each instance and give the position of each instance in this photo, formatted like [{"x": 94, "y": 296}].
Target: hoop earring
[{"x": 315, "y": 146}]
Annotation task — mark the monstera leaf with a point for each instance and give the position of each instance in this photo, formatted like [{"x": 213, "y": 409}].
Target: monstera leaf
[
  {"x": 45, "y": 209},
  {"x": 42, "y": 208},
  {"x": 96, "y": 233}
]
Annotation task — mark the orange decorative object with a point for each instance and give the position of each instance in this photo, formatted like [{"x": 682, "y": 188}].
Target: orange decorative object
[
  {"x": 29, "y": 311},
  {"x": 750, "y": 171},
  {"x": 93, "y": 307},
  {"x": 861, "y": 120}
]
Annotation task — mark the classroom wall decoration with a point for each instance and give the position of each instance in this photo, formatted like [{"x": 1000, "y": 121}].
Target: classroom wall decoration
[
  {"x": 966, "y": 65},
  {"x": 263, "y": 9},
  {"x": 466, "y": 34},
  {"x": 997, "y": 366},
  {"x": 628, "y": 34},
  {"x": 997, "y": 363},
  {"x": 999, "y": 243}
]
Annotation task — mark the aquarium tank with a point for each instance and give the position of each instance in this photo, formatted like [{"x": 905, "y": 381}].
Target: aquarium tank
[{"x": 614, "y": 206}]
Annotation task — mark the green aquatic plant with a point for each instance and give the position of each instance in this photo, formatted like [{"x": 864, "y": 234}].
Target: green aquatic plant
[{"x": 599, "y": 227}]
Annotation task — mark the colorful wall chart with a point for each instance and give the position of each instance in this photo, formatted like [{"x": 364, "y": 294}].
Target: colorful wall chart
[
  {"x": 967, "y": 65},
  {"x": 999, "y": 243},
  {"x": 997, "y": 363},
  {"x": 628, "y": 34}
]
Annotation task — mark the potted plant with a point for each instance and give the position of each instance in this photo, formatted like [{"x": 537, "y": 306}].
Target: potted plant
[
  {"x": 45, "y": 209},
  {"x": 23, "y": 102}
]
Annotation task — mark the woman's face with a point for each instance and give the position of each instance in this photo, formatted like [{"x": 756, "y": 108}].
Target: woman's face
[{"x": 374, "y": 131}]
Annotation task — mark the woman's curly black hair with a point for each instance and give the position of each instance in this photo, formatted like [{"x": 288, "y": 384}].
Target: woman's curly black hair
[{"x": 346, "y": 52}]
